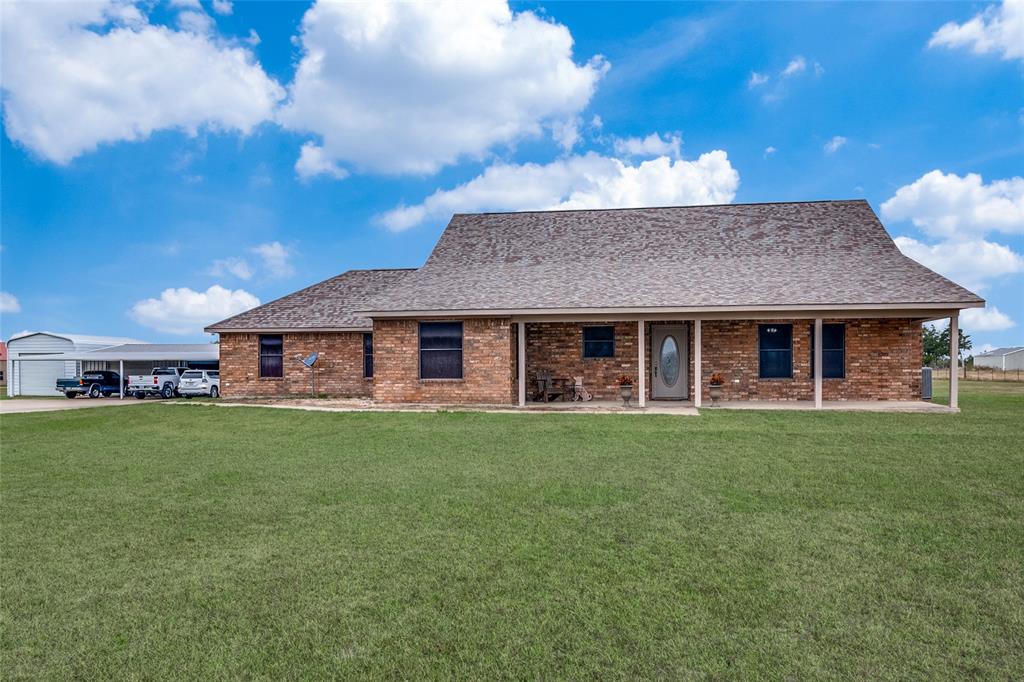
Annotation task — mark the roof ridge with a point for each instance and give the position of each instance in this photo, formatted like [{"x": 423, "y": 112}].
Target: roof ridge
[{"x": 658, "y": 208}]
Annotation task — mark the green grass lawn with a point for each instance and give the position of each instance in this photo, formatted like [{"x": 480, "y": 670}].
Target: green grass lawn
[{"x": 198, "y": 542}]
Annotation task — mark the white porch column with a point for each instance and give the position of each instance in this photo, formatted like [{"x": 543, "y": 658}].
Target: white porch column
[
  {"x": 954, "y": 353},
  {"x": 698, "y": 379},
  {"x": 521, "y": 363},
  {"x": 818, "y": 369},
  {"x": 642, "y": 362},
  {"x": 120, "y": 383}
]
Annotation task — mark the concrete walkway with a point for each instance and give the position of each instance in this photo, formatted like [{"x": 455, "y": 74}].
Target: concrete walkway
[
  {"x": 357, "y": 405},
  {"x": 24, "y": 405},
  {"x": 679, "y": 408},
  {"x": 903, "y": 406}
]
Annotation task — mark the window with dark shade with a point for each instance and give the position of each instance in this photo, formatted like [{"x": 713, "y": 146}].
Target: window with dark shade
[
  {"x": 775, "y": 351},
  {"x": 368, "y": 356},
  {"x": 599, "y": 342},
  {"x": 440, "y": 350},
  {"x": 271, "y": 356},
  {"x": 833, "y": 351}
]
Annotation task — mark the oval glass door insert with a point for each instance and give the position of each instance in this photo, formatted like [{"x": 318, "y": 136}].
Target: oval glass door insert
[{"x": 669, "y": 361}]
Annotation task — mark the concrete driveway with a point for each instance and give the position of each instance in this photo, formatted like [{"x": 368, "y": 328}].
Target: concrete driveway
[{"x": 22, "y": 405}]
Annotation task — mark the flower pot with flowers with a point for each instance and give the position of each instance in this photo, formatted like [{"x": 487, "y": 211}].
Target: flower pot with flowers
[
  {"x": 715, "y": 388},
  {"x": 625, "y": 383}
]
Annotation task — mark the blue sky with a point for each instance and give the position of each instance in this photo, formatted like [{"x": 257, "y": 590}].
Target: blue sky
[{"x": 166, "y": 165}]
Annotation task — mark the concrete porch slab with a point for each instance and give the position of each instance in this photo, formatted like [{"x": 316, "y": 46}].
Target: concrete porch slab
[
  {"x": 362, "y": 405},
  {"x": 905, "y": 406}
]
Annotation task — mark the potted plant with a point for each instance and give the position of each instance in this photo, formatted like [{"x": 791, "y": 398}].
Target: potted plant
[
  {"x": 625, "y": 383},
  {"x": 715, "y": 388}
]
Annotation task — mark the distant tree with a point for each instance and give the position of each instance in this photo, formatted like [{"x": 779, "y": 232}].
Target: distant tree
[
  {"x": 934, "y": 349},
  {"x": 936, "y": 345}
]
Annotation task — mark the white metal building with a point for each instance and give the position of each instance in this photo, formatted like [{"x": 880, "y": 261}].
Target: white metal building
[
  {"x": 39, "y": 374},
  {"x": 35, "y": 361},
  {"x": 1001, "y": 358}
]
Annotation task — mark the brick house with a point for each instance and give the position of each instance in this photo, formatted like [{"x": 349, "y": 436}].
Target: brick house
[{"x": 789, "y": 301}]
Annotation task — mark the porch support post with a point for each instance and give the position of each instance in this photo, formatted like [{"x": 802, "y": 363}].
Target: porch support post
[
  {"x": 698, "y": 379},
  {"x": 521, "y": 361},
  {"x": 954, "y": 353},
  {"x": 120, "y": 382},
  {"x": 818, "y": 358},
  {"x": 641, "y": 362}
]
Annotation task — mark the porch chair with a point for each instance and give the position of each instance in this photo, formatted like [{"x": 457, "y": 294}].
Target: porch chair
[{"x": 546, "y": 390}]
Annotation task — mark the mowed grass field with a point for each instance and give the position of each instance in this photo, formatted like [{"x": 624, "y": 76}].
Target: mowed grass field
[{"x": 197, "y": 542}]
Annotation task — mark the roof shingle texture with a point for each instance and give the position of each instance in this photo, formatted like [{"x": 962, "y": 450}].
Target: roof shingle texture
[
  {"x": 810, "y": 253},
  {"x": 326, "y": 305}
]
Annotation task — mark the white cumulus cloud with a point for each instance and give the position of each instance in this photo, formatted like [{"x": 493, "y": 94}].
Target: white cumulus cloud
[
  {"x": 234, "y": 266},
  {"x": 9, "y": 303},
  {"x": 652, "y": 145},
  {"x": 77, "y": 75},
  {"x": 947, "y": 205},
  {"x": 757, "y": 79},
  {"x": 402, "y": 87},
  {"x": 970, "y": 263},
  {"x": 997, "y": 29},
  {"x": 835, "y": 144},
  {"x": 578, "y": 182},
  {"x": 184, "y": 311},
  {"x": 312, "y": 162},
  {"x": 796, "y": 65},
  {"x": 276, "y": 259},
  {"x": 985, "y": 320}
]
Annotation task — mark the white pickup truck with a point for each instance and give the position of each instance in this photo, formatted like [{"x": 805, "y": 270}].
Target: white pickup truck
[{"x": 162, "y": 382}]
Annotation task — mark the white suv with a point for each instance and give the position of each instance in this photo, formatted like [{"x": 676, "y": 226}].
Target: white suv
[{"x": 200, "y": 382}]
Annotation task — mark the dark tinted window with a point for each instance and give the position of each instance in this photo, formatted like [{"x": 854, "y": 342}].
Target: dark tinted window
[
  {"x": 440, "y": 350},
  {"x": 368, "y": 355},
  {"x": 833, "y": 351},
  {"x": 271, "y": 356},
  {"x": 775, "y": 351},
  {"x": 215, "y": 374},
  {"x": 599, "y": 342},
  {"x": 93, "y": 376}
]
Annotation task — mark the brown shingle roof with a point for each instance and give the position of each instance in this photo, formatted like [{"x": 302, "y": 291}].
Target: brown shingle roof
[
  {"x": 326, "y": 305},
  {"x": 737, "y": 255}
]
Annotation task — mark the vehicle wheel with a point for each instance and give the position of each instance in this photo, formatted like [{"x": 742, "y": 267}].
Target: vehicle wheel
[
  {"x": 214, "y": 392},
  {"x": 69, "y": 395},
  {"x": 94, "y": 392},
  {"x": 168, "y": 391},
  {"x": 139, "y": 395}
]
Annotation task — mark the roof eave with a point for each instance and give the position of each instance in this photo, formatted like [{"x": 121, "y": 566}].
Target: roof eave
[
  {"x": 661, "y": 310},
  {"x": 284, "y": 330}
]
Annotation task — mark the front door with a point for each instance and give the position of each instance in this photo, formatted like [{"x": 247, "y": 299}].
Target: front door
[{"x": 669, "y": 380}]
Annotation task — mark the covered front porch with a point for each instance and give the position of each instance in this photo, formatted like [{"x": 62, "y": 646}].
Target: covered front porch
[{"x": 671, "y": 360}]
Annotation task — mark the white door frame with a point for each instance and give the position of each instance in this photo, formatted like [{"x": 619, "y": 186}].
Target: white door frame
[{"x": 682, "y": 335}]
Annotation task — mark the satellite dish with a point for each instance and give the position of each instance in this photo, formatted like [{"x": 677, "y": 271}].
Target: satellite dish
[{"x": 311, "y": 360}]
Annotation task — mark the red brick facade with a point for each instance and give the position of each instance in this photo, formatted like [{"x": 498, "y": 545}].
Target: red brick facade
[
  {"x": 339, "y": 369},
  {"x": 488, "y": 359},
  {"x": 557, "y": 347},
  {"x": 882, "y": 362}
]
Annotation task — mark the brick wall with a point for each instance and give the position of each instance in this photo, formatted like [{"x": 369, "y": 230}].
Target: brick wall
[
  {"x": 488, "y": 361},
  {"x": 883, "y": 361},
  {"x": 558, "y": 347},
  {"x": 339, "y": 369}
]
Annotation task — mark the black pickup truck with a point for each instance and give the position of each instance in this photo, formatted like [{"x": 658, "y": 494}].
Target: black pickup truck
[{"x": 93, "y": 384}]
